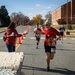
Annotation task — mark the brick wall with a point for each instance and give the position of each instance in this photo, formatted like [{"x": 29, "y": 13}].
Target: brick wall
[
  {"x": 73, "y": 11},
  {"x": 63, "y": 16}
]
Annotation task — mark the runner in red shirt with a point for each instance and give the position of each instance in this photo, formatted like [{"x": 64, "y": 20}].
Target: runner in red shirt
[
  {"x": 37, "y": 32},
  {"x": 50, "y": 42}
]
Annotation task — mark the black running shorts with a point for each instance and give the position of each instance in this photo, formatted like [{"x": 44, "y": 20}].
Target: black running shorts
[{"x": 49, "y": 49}]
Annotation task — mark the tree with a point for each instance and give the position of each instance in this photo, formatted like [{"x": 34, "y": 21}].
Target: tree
[
  {"x": 37, "y": 19},
  {"x": 19, "y": 18},
  {"x": 15, "y": 17},
  {"x": 5, "y": 19}
]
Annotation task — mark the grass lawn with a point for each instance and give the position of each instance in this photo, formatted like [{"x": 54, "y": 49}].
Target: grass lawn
[
  {"x": 71, "y": 35},
  {"x": 72, "y": 32}
]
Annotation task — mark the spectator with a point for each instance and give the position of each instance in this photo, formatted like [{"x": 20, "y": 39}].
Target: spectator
[{"x": 11, "y": 35}]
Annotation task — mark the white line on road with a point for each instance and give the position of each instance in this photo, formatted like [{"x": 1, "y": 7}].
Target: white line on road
[
  {"x": 1, "y": 37},
  {"x": 34, "y": 37},
  {"x": 44, "y": 38}
]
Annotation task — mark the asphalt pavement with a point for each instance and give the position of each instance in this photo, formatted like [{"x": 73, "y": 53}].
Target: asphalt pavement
[{"x": 35, "y": 59}]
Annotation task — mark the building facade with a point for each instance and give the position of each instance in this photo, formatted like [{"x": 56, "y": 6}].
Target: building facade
[{"x": 64, "y": 14}]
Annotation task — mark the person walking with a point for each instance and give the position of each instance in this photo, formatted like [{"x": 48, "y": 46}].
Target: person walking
[
  {"x": 37, "y": 32},
  {"x": 50, "y": 42},
  {"x": 11, "y": 35},
  {"x": 62, "y": 29}
]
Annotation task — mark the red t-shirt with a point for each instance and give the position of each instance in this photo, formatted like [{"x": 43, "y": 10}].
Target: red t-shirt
[
  {"x": 50, "y": 35},
  {"x": 11, "y": 40}
]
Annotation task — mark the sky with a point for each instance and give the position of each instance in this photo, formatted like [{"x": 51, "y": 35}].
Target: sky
[{"x": 31, "y": 8}]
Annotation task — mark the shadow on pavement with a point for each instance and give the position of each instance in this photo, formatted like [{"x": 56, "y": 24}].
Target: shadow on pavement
[
  {"x": 69, "y": 43},
  {"x": 63, "y": 71},
  {"x": 22, "y": 73},
  {"x": 56, "y": 70},
  {"x": 33, "y": 68},
  {"x": 66, "y": 49}
]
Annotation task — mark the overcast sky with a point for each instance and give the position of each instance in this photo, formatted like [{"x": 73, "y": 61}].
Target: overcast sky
[{"x": 31, "y": 8}]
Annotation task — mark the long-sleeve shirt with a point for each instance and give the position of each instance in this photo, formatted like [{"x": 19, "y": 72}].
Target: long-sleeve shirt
[{"x": 11, "y": 35}]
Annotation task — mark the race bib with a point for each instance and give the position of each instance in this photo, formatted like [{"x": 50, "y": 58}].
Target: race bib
[
  {"x": 37, "y": 35},
  {"x": 52, "y": 42}
]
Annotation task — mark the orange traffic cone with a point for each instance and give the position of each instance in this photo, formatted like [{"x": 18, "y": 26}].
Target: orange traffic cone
[
  {"x": 19, "y": 40},
  {"x": 22, "y": 37}
]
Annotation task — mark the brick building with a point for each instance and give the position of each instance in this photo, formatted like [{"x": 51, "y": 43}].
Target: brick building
[{"x": 64, "y": 14}]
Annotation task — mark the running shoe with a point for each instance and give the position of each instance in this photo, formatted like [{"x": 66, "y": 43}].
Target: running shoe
[
  {"x": 48, "y": 68},
  {"x": 36, "y": 47}
]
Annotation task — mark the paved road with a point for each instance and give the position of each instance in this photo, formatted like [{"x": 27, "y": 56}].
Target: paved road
[
  {"x": 35, "y": 64},
  {"x": 34, "y": 61}
]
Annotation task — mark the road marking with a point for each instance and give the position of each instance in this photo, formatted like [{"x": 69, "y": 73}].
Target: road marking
[
  {"x": 17, "y": 45},
  {"x": 32, "y": 37},
  {"x": 44, "y": 38},
  {"x": 35, "y": 38},
  {"x": 72, "y": 38},
  {"x": 1, "y": 37}
]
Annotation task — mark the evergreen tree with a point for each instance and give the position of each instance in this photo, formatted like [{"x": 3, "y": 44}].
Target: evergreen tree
[{"x": 4, "y": 17}]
